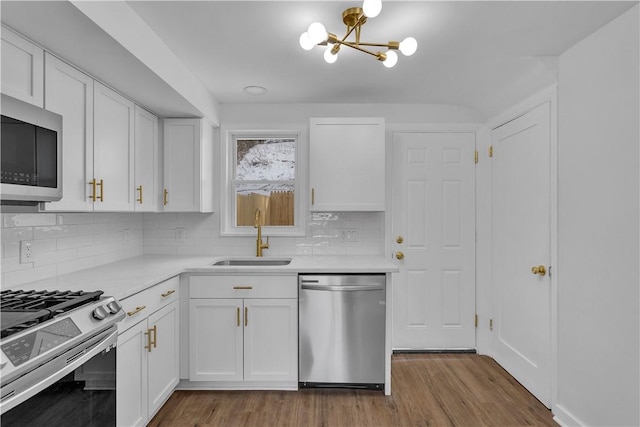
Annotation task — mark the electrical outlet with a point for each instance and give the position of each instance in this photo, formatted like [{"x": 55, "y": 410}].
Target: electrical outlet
[
  {"x": 126, "y": 236},
  {"x": 181, "y": 234},
  {"x": 26, "y": 252},
  {"x": 349, "y": 235}
]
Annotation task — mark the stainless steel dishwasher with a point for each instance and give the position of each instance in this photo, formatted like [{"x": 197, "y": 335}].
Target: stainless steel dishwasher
[{"x": 342, "y": 330}]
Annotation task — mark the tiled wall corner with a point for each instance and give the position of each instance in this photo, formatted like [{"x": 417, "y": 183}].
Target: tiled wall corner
[{"x": 66, "y": 242}]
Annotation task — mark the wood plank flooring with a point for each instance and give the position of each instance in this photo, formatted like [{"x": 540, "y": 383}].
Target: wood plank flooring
[{"x": 427, "y": 390}]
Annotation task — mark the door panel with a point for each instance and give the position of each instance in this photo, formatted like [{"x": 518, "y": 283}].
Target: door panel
[
  {"x": 521, "y": 239},
  {"x": 434, "y": 213}
]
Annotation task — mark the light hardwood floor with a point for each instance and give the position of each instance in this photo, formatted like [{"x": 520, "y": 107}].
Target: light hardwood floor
[{"x": 427, "y": 390}]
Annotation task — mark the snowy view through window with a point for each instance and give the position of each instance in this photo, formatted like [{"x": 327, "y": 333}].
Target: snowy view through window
[{"x": 265, "y": 176}]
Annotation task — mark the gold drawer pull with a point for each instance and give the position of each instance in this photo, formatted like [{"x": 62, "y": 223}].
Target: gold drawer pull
[
  {"x": 243, "y": 287},
  {"x": 169, "y": 292},
  {"x": 137, "y": 310}
]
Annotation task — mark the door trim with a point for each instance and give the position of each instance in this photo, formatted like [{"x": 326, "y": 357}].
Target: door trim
[{"x": 549, "y": 95}]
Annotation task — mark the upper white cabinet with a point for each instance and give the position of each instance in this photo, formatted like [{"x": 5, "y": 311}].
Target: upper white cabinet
[
  {"x": 22, "y": 68},
  {"x": 146, "y": 161},
  {"x": 113, "y": 151},
  {"x": 347, "y": 164},
  {"x": 69, "y": 93},
  {"x": 188, "y": 166}
]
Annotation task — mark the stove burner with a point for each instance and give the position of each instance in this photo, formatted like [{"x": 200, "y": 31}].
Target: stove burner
[{"x": 23, "y": 309}]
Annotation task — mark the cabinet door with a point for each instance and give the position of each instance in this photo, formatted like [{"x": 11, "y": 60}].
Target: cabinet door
[
  {"x": 131, "y": 377},
  {"x": 113, "y": 150},
  {"x": 69, "y": 93},
  {"x": 271, "y": 340},
  {"x": 146, "y": 161},
  {"x": 182, "y": 165},
  {"x": 215, "y": 339},
  {"x": 22, "y": 68},
  {"x": 347, "y": 164},
  {"x": 164, "y": 356}
]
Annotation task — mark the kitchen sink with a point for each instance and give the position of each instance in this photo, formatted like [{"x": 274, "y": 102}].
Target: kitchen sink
[{"x": 252, "y": 262}]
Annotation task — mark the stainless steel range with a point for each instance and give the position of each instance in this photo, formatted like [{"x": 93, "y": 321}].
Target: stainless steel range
[{"x": 58, "y": 357}]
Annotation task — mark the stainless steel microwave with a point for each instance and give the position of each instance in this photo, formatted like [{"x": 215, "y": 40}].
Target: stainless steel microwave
[{"x": 31, "y": 152}]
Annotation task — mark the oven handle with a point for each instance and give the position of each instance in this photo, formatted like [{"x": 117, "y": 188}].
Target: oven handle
[{"x": 103, "y": 341}]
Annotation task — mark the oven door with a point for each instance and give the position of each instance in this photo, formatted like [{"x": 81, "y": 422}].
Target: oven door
[{"x": 81, "y": 393}]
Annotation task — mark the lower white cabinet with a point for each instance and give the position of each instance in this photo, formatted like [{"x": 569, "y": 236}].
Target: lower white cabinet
[
  {"x": 243, "y": 328},
  {"x": 148, "y": 353}
]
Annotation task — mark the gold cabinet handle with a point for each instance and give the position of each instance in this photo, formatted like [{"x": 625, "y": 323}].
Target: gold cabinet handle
[
  {"x": 137, "y": 310},
  {"x": 151, "y": 341},
  {"x": 101, "y": 185},
  {"x": 165, "y": 197},
  {"x": 539, "y": 270},
  {"x": 399, "y": 255},
  {"x": 246, "y": 316},
  {"x": 238, "y": 316},
  {"x": 93, "y": 189},
  {"x": 139, "y": 189},
  {"x": 313, "y": 196},
  {"x": 166, "y": 294},
  {"x": 243, "y": 287}
]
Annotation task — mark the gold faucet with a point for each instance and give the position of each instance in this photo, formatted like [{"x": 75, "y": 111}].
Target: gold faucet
[{"x": 259, "y": 245}]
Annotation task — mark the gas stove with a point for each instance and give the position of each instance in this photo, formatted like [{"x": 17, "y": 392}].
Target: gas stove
[{"x": 43, "y": 333}]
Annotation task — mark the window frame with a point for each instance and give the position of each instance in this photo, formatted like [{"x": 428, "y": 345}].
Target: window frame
[{"x": 228, "y": 194}]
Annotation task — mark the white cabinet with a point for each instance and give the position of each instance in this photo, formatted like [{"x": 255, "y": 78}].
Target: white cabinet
[
  {"x": 188, "y": 166},
  {"x": 22, "y": 68},
  {"x": 243, "y": 328},
  {"x": 148, "y": 353},
  {"x": 113, "y": 151},
  {"x": 69, "y": 92},
  {"x": 146, "y": 161},
  {"x": 97, "y": 141},
  {"x": 347, "y": 164}
]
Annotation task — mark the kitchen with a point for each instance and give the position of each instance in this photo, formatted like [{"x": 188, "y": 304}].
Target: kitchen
[{"x": 595, "y": 325}]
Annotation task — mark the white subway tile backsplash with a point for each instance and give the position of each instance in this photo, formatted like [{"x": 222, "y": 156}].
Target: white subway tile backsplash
[
  {"x": 66, "y": 242},
  {"x": 27, "y": 220}
]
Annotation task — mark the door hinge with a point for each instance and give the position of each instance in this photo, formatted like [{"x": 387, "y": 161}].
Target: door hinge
[
  {"x": 476, "y": 156},
  {"x": 491, "y": 151},
  {"x": 491, "y": 324},
  {"x": 476, "y": 321}
]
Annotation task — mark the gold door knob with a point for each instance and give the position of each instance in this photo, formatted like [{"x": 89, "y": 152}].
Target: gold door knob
[
  {"x": 539, "y": 270},
  {"x": 399, "y": 239},
  {"x": 399, "y": 255}
]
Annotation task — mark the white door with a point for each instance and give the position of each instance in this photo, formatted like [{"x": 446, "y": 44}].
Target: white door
[
  {"x": 131, "y": 376},
  {"x": 163, "y": 357},
  {"x": 69, "y": 92},
  {"x": 182, "y": 140},
  {"x": 215, "y": 339},
  {"x": 271, "y": 340},
  {"x": 521, "y": 241},
  {"x": 113, "y": 150},
  {"x": 434, "y": 215},
  {"x": 146, "y": 161}
]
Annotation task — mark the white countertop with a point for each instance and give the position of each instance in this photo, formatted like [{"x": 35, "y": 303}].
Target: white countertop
[{"x": 124, "y": 278}]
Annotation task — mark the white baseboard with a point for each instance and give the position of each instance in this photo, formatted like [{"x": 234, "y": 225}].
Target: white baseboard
[{"x": 564, "y": 417}]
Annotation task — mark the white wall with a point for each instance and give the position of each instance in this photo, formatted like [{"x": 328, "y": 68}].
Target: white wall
[
  {"x": 598, "y": 271},
  {"x": 66, "y": 242}
]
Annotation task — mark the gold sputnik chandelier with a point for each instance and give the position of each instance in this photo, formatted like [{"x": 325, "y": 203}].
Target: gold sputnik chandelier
[{"x": 354, "y": 18}]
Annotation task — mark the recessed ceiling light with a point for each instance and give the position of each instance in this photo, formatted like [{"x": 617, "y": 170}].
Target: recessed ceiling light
[{"x": 255, "y": 90}]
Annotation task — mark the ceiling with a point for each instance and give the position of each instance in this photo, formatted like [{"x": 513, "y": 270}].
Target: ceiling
[{"x": 479, "y": 54}]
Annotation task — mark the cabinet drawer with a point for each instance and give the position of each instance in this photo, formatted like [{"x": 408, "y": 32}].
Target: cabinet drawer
[
  {"x": 139, "y": 306},
  {"x": 243, "y": 286}
]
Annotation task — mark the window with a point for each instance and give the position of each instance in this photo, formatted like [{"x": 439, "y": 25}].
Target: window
[{"x": 263, "y": 173}]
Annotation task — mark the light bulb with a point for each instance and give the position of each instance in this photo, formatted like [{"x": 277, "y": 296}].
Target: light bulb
[
  {"x": 305, "y": 41},
  {"x": 408, "y": 46},
  {"x": 371, "y": 8},
  {"x": 317, "y": 33},
  {"x": 392, "y": 59},
  {"x": 329, "y": 56}
]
